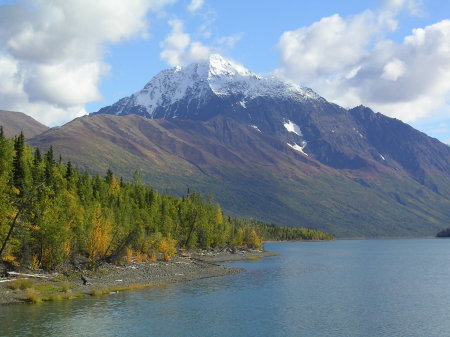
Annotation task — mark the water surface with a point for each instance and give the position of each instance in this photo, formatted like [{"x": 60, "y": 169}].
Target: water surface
[{"x": 342, "y": 288}]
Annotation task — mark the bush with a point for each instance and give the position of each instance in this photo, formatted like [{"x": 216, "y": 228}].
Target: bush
[{"x": 168, "y": 249}]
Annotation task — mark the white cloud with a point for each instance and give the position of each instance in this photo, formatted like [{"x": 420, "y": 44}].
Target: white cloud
[
  {"x": 348, "y": 61},
  {"x": 52, "y": 51},
  {"x": 393, "y": 70},
  {"x": 230, "y": 40},
  {"x": 195, "y": 5},
  {"x": 178, "y": 49},
  {"x": 326, "y": 46},
  {"x": 414, "y": 7}
]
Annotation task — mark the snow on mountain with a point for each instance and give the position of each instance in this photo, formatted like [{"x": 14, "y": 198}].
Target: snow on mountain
[
  {"x": 292, "y": 127},
  {"x": 255, "y": 127},
  {"x": 298, "y": 148},
  {"x": 198, "y": 81}
]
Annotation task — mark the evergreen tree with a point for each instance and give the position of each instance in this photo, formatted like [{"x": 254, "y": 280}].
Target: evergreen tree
[
  {"x": 61, "y": 212},
  {"x": 19, "y": 164},
  {"x": 69, "y": 171}
]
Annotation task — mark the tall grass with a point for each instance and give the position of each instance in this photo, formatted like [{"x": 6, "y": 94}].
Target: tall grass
[{"x": 21, "y": 284}]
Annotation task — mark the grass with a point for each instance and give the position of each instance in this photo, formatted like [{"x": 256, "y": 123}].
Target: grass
[
  {"x": 58, "y": 291},
  {"x": 66, "y": 287},
  {"x": 98, "y": 292},
  {"x": 20, "y": 284},
  {"x": 54, "y": 297},
  {"x": 108, "y": 290},
  {"x": 33, "y": 296}
]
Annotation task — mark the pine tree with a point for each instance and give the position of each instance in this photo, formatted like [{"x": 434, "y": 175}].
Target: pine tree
[
  {"x": 19, "y": 164},
  {"x": 69, "y": 171},
  {"x": 109, "y": 176},
  {"x": 49, "y": 164}
]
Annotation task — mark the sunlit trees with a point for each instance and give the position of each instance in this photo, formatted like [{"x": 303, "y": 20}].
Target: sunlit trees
[{"x": 50, "y": 212}]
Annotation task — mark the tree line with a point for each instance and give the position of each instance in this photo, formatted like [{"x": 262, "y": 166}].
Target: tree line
[{"x": 50, "y": 212}]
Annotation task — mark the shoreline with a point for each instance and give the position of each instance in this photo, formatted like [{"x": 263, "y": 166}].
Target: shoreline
[{"x": 109, "y": 278}]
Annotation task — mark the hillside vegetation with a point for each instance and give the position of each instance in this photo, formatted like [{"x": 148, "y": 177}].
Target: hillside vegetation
[
  {"x": 255, "y": 175},
  {"x": 51, "y": 213}
]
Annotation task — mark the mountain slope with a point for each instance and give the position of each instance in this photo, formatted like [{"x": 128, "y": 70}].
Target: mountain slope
[
  {"x": 335, "y": 136},
  {"x": 269, "y": 149},
  {"x": 250, "y": 173},
  {"x": 15, "y": 122}
]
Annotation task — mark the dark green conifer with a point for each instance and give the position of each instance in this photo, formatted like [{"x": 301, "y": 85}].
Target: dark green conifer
[{"x": 18, "y": 164}]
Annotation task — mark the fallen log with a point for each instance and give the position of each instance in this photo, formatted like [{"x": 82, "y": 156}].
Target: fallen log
[
  {"x": 10, "y": 280},
  {"x": 13, "y": 273}
]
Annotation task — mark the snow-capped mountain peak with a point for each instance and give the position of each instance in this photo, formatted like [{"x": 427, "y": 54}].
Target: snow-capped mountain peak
[
  {"x": 220, "y": 66},
  {"x": 196, "y": 83}
]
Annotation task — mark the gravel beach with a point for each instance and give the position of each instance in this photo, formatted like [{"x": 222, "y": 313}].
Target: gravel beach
[{"x": 190, "y": 266}]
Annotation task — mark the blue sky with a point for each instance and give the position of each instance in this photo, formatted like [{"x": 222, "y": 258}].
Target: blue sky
[{"x": 62, "y": 58}]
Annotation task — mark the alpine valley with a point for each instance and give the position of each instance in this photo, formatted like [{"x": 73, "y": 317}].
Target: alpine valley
[{"x": 268, "y": 149}]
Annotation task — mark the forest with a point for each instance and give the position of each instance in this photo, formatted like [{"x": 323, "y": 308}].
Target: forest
[{"x": 51, "y": 213}]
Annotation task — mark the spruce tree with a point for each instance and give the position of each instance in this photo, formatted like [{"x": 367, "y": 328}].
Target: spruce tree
[
  {"x": 18, "y": 164},
  {"x": 69, "y": 171}
]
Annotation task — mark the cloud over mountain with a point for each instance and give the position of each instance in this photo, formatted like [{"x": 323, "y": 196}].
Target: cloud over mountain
[
  {"x": 52, "y": 54},
  {"x": 350, "y": 61}
]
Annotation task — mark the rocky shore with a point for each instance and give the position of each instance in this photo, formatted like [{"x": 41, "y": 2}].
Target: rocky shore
[{"x": 109, "y": 278}]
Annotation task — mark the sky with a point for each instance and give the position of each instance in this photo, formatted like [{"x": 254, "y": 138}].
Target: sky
[{"x": 60, "y": 59}]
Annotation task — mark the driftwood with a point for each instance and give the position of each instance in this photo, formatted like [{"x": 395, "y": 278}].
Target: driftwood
[
  {"x": 13, "y": 273},
  {"x": 10, "y": 280}
]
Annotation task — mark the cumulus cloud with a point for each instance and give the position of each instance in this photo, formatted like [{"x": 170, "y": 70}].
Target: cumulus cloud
[
  {"x": 51, "y": 52},
  {"x": 327, "y": 46},
  {"x": 178, "y": 49},
  {"x": 195, "y": 5},
  {"x": 349, "y": 61}
]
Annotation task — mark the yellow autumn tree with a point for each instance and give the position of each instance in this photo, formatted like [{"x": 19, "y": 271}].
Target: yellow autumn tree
[
  {"x": 114, "y": 187},
  {"x": 167, "y": 248},
  {"x": 253, "y": 240},
  {"x": 99, "y": 237}
]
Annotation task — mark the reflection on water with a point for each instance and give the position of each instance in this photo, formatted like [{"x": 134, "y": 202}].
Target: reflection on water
[{"x": 342, "y": 288}]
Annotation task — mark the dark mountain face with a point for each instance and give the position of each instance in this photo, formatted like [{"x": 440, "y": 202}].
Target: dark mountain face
[
  {"x": 342, "y": 139},
  {"x": 269, "y": 149},
  {"x": 14, "y": 122},
  {"x": 424, "y": 158}
]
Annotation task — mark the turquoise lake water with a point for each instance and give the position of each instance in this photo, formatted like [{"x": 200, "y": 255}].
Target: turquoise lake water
[{"x": 342, "y": 288}]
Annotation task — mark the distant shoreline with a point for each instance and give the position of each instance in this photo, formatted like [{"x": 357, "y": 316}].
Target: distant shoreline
[{"x": 110, "y": 278}]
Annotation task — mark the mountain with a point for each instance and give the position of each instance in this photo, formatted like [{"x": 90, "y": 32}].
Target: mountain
[
  {"x": 14, "y": 122},
  {"x": 270, "y": 149}
]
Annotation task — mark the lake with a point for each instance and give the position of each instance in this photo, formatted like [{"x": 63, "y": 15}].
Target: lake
[{"x": 341, "y": 288}]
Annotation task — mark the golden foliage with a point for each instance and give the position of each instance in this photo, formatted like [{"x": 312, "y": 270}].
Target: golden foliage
[
  {"x": 139, "y": 257},
  {"x": 11, "y": 259},
  {"x": 152, "y": 257},
  {"x": 114, "y": 187},
  {"x": 254, "y": 241},
  {"x": 128, "y": 255},
  {"x": 99, "y": 238},
  {"x": 35, "y": 262},
  {"x": 167, "y": 248}
]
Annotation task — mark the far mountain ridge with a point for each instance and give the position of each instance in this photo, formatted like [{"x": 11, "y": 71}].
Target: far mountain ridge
[
  {"x": 269, "y": 149},
  {"x": 14, "y": 122}
]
